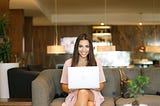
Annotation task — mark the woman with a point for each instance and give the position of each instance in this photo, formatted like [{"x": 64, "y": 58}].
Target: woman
[{"x": 82, "y": 56}]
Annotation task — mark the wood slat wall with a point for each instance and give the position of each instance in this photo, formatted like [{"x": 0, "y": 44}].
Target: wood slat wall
[
  {"x": 16, "y": 25},
  {"x": 4, "y": 7},
  {"x": 45, "y": 35}
]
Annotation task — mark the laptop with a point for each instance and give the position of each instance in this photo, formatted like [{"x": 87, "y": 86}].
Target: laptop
[{"x": 83, "y": 77}]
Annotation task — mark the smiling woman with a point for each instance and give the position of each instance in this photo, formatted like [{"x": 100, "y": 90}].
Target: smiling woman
[{"x": 83, "y": 56}]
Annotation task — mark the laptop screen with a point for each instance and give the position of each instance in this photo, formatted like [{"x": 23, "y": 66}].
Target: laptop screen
[{"x": 83, "y": 77}]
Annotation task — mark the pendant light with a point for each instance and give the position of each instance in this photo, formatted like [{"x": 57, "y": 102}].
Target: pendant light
[
  {"x": 104, "y": 31},
  {"x": 56, "y": 49},
  {"x": 140, "y": 21}
]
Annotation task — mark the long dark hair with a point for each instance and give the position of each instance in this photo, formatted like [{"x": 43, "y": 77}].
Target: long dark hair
[{"x": 90, "y": 58}]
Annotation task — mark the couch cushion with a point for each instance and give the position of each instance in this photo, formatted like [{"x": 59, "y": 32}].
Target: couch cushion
[
  {"x": 132, "y": 72},
  {"x": 112, "y": 84},
  {"x": 38, "y": 67},
  {"x": 154, "y": 86},
  {"x": 56, "y": 79},
  {"x": 108, "y": 101},
  {"x": 57, "y": 102},
  {"x": 150, "y": 100}
]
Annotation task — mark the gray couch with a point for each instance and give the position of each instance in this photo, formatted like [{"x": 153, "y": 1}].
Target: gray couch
[{"x": 46, "y": 90}]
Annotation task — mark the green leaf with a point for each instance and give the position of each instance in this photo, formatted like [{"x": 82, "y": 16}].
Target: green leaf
[{"x": 136, "y": 85}]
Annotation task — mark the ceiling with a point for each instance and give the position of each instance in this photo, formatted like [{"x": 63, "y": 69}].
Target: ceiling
[{"x": 90, "y": 12}]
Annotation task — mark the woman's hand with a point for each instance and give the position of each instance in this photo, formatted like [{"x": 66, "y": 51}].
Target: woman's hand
[
  {"x": 65, "y": 88},
  {"x": 101, "y": 86}
]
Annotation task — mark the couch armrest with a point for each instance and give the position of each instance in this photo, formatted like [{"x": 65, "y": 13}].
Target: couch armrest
[{"x": 43, "y": 88}]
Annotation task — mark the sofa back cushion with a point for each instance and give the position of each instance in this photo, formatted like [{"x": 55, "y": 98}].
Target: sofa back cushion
[
  {"x": 38, "y": 67},
  {"x": 112, "y": 84},
  {"x": 57, "y": 85},
  {"x": 132, "y": 72},
  {"x": 154, "y": 86}
]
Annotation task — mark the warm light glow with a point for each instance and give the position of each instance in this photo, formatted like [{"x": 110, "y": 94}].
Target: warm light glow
[
  {"x": 101, "y": 30},
  {"x": 55, "y": 49},
  {"x": 102, "y": 23},
  {"x": 100, "y": 34},
  {"x": 140, "y": 23},
  {"x": 101, "y": 27},
  {"x": 154, "y": 49},
  {"x": 105, "y": 48}
]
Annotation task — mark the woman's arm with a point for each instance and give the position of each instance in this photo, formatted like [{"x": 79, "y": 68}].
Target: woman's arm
[
  {"x": 101, "y": 86},
  {"x": 65, "y": 88}
]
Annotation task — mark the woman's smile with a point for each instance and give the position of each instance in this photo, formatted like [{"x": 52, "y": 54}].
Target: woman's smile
[{"x": 83, "y": 48}]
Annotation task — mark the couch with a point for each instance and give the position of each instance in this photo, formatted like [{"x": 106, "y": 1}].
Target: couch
[
  {"x": 46, "y": 89},
  {"x": 20, "y": 79}
]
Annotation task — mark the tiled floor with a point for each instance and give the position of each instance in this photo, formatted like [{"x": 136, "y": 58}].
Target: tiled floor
[{"x": 15, "y": 102}]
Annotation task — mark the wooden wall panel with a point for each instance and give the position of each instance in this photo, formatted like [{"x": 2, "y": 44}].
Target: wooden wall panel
[
  {"x": 4, "y": 7},
  {"x": 16, "y": 24},
  {"x": 45, "y": 35},
  {"x": 28, "y": 34},
  {"x": 132, "y": 37}
]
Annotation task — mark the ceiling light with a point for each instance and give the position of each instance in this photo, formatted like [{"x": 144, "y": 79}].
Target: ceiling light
[{"x": 140, "y": 21}]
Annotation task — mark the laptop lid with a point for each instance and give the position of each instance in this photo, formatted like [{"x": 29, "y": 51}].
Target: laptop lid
[{"x": 83, "y": 77}]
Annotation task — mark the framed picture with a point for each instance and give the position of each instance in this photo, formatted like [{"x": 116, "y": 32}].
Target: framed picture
[{"x": 68, "y": 42}]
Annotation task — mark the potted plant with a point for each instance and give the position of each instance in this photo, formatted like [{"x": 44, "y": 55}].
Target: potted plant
[
  {"x": 5, "y": 45},
  {"x": 5, "y": 56},
  {"x": 136, "y": 88}
]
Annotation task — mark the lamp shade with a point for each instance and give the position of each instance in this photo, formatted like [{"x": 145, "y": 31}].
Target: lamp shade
[
  {"x": 55, "y": 49},
  {"x": 154, "y": 49},
  {"x": 105, "y": 48}
]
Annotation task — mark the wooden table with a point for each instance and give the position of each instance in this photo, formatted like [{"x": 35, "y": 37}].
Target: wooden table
[{"x": 15, "y": 102}]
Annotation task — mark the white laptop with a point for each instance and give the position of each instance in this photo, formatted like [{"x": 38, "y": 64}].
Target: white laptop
[{"x": 83, "y": 77}]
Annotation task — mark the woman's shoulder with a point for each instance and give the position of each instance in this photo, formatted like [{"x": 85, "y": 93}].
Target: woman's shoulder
[{"x": 98, "y": 60}]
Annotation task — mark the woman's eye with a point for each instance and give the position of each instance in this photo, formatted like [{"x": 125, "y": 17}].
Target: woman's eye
[
  {"x": 80, "y": 46},
  {"x": 87, "y": 46}
]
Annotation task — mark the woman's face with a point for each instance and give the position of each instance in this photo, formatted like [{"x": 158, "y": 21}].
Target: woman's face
[{"x": 83, "y": 48}]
